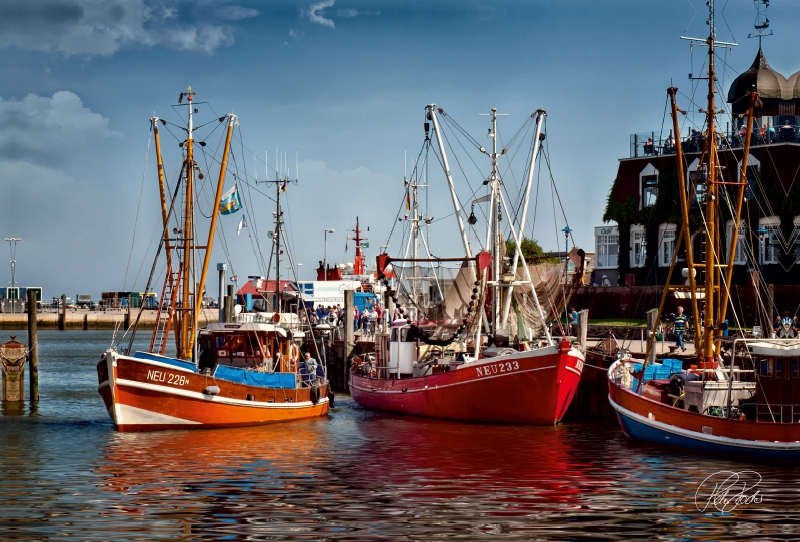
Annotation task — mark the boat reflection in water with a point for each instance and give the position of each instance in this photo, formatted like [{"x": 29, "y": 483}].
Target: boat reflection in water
[{"x": 382, "y": 475}]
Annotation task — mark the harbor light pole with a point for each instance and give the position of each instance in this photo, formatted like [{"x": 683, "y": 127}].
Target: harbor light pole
[
  {"x": 567, "y": 230},
  {"x": 12, "y": 245},
  {"x": 325, "y": 261}
]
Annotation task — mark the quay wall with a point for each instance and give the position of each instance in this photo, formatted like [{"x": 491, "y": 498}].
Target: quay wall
[
  {"x": 635, "y": 301},
  {"x": 89, "y": 319}
]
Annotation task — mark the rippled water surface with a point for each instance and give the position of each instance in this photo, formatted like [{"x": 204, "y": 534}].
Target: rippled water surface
[{"x": 66, "y": 474}]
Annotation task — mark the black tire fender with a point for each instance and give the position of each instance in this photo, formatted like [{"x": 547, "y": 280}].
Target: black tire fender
[{"x": 314, "y": 395}]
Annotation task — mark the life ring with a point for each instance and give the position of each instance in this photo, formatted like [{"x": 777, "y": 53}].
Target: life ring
[
  {"x": 314, "y": 395},
  {"x": 294, "y": 353}
]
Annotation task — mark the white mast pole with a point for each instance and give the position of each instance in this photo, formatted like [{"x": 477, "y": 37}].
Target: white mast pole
[
  {"x": 541, "y": 113},
  {"x": 528, "y": 277},
  {"x": 456, "y": 206}
]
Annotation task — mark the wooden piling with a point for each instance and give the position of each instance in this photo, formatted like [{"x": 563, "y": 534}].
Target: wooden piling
[
  {"x": 229, "y": 304},
  {"x": 126, "y": 321},
  {"x": 62, "y": 318},
  {"x": 652, "y": 315},
  {"x": 583, "y": 323},
  {"x": 33, "y": 349},
  {"x": 12, "y": 359},
  {"x": 349, "y": 333}
]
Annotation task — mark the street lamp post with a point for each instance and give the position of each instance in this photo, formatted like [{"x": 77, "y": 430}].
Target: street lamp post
[
  {"x": 12, "y": 245},
  {"x": 567, "y": 230},
  {"x": 325, "y": 261}
]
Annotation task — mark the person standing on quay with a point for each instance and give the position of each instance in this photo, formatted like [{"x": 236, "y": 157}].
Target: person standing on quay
[{"x": 679, "y": 326}]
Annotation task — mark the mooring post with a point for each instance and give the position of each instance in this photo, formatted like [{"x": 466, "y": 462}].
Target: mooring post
[
  {"x": 388, "y": 311},
  {"x": 33, "y": 348},
  {"x": 62, "y": 318},
  {"x": 221, "y": 267},
  {"x": 229, "y": 305},
  {"x": 583, "y": 327},
  {"x": 126, "y": 323},
  {"x": 12, "y": 360},
  {"x": 652, "y": 314},
  {"x": 349, "y": 334}
]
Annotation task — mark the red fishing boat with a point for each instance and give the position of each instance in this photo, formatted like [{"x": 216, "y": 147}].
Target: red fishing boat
[
  {"x": 435, "y": 360},
  {"x": 246, "y": 370}
]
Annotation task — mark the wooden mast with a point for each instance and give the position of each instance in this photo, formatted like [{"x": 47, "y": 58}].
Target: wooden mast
[
  {"x": 232, "y": 120},
  {"x": 711, "y": 252},
  {"x": 163, "y": 192}
]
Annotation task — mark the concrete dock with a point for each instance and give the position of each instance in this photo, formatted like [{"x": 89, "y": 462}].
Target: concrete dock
[{"x": 87, "y": 319}]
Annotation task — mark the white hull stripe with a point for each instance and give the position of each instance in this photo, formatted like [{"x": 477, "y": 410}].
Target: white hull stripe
[
  {"x": 476, "y": 379},
  {"x": 156, "y": 364},
  {"x": 130, "y": 415},
  {"x": 576, "y": 371},
  {"x": 727, "y": 441},
  {"x": 215, "y": 398}
]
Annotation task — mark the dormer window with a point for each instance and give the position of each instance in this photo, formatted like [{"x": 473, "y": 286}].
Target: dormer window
[
  {"x": 648, "y": 186},
  {"x": 649, "y": 190}
]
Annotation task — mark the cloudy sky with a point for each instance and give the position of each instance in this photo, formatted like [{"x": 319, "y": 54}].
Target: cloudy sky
[{"x": 340, "y": 83}]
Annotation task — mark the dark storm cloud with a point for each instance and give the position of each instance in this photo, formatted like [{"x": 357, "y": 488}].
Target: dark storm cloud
[{"x": 86, "y": 27}]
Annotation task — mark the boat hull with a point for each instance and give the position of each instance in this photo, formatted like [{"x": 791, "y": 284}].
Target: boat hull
[
  {"x": 152, "y": 395},
  {"x": 645, "y": 419},
  {"x": 534, "y": 387}
]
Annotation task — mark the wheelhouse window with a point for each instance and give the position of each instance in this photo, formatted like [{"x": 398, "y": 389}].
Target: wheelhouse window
[
  {"x": 638, "y": 246},
  {"x": 649, "y": 190},
  {"x": 667, "y": 236}
]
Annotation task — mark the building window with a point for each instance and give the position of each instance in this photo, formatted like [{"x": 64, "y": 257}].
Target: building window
[
  {"x": 667, "y": 236},
  {"x": 739, "y": 257},
  {"x": 692, "y": 176},
  {"x": 770, "y": 240},
  {"x": 649, "y": 190},
  {"x": 638, "y": 246},
  {"x": 607, "y": 249},
  {"x": 753, "y": 172},
  {"x": 796, "y": 239},
  {"x": 648, "y": 186}
]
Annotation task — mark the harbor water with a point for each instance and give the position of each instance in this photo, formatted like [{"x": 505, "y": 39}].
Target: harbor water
[{"x": 66, "y": 474}]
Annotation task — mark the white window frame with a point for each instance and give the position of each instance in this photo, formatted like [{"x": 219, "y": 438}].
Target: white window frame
[
  {"x": 740, "y": 258},
  {"x": 796, "y": 238},
  {"x": 638, "y": 246},
  {"x": 752, "y": 162},
  {"x": 770, "y": 248},
  {"x": 648, "y": 171},
  {"x": 604, "y": 237},
  {"x": 667, "y": 239},
  {"x": 690, "y": 173}
]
